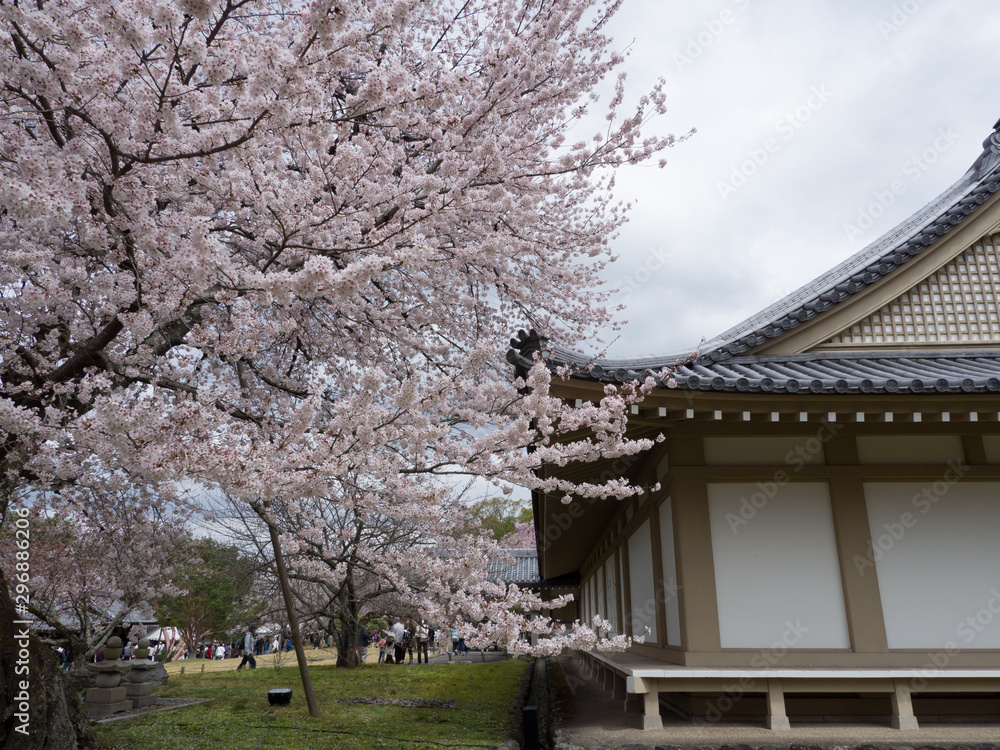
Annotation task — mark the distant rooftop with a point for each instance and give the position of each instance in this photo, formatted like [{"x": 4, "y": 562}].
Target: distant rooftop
[{"x": 523, "y": 571}]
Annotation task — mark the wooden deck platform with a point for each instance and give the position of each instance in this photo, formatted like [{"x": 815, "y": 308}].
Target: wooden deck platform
[{"x": 629, "y": 673}]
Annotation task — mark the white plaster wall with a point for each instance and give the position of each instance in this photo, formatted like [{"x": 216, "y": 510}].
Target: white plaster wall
[
  {"x": 776, "y": 567},
  {"x": 910, "y": 449},
  {"x": 670, "y": 596},
  {"x": 744, "y": 451},
  {"x": 640, "y": 571},
  {"x": 612, "y": 589},
  {"x": 599, "y": 599},
  {"x": 937, "y": 555}
]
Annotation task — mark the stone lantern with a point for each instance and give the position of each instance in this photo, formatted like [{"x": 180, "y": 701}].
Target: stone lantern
[
  {"x": 109, "y": 696},
  {"x": 139, "y": 689}
]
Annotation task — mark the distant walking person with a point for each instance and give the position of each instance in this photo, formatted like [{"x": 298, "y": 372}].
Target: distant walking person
[
  {"x": 422, "y": 637},
  {"x": 249, "y": 641},
  {"x": 409, "y": 637},
  {"x": 399, "y": 651},
  {"x": 361, "y": 644}
]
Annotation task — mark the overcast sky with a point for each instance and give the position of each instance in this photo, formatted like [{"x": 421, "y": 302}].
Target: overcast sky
[{"x": 807, "y": 113}]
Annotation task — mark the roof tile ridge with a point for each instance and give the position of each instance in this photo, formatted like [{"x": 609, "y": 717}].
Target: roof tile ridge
[
  {"x": 907, "y": 239},
  {"x": 904, "y": 241}
]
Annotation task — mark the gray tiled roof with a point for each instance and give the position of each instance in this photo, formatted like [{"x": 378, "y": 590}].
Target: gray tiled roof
[
  {"x": 901, "y": 372},
  {"x": 719, "y": 365},
  {"x": 523, "y": 571}
]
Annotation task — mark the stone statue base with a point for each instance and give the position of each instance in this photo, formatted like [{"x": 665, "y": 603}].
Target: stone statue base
[{"x": 110, "y": 696}]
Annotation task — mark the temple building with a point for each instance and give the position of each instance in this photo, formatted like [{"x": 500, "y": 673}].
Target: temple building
[{"x": 825, "y": 541}]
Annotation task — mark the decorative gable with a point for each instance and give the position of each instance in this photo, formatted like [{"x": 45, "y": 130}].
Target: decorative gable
[{"x": 957, "y": 305}]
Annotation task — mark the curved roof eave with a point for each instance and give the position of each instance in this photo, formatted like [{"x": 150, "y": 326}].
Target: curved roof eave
[{"x": 881, "y": 257}]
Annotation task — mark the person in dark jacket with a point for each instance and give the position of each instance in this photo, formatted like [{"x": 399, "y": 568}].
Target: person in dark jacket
[{"x": 249, "y": 641}]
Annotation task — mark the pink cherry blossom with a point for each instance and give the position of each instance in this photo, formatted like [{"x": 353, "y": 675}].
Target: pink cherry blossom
[{"x": 276, "y": 247}]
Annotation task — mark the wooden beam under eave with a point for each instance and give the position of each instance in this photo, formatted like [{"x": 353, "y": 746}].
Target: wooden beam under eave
[
  {"x": 872, "y": 472},
  {"x": 675, "y": 400},
  {"x": 871, "y": 426}
]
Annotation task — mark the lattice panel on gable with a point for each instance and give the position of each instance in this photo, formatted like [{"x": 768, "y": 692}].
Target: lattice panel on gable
[{"x": 956, "y": 304}]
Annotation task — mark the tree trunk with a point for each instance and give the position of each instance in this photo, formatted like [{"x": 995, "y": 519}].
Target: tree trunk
[
  {"x": 54, "y": 719},
  {"x": 347, "y": 634},
  {"x": 81, "y": 652},
  {"x": 346, "y": 638},
  {"x": 293, "y": 623}
]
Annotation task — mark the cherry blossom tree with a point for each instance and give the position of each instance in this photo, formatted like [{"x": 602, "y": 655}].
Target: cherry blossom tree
[
  {"x": 344, "y": 568},
  {"x": 99, "y": 556},
  {"x": 264, "y": 244},
  {"x": 522, "y": 537}
]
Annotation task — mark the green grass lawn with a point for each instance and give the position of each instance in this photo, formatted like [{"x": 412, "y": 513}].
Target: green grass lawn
[{"x": 238, "y": 716}]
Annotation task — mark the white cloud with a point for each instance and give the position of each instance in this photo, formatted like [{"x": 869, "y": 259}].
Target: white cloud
[{"x": 896, "y": 76}]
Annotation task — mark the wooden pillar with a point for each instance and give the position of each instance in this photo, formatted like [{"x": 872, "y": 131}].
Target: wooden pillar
[
  {"x": 651, "y": 710},
  {"x": 619, "y": 689},
  {"x": 902, "y": 707},
  {"x": 777, "y": 719},
  {"x": 974, "y": 450},
  {"x": 699, "y": 605},
  {"x": 696, "y": 595},
  {"x": 862, "y": 598}
]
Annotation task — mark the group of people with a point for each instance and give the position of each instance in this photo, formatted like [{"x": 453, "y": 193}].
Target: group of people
[
  {"x": 258, "y": 646},
  {"x": 126, "y": 655},
  {"x": 397, "y": 642},
  {"x": 215, "y": 650}
]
